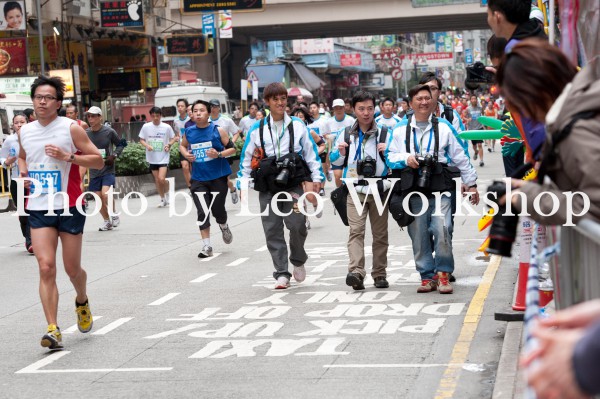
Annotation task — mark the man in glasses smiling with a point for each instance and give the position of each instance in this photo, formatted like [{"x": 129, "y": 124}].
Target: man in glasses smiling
[{"x": 52, "y": 148}]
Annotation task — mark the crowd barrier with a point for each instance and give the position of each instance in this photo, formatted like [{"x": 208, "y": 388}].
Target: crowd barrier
[{"x": 577, "y": 274}]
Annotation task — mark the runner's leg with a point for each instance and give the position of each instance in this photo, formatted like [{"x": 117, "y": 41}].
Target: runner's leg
[
  {"x": 71, "y": 245},
  {"x": 45, "y": 241}
]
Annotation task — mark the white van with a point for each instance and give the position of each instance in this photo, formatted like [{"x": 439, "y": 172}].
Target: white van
[
  {"x": 166, "y": 97},
  {"x": 9, "y": 105}
]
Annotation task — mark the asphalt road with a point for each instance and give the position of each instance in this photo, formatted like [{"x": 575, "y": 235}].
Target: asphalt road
[{"x": 168, "y": 324}]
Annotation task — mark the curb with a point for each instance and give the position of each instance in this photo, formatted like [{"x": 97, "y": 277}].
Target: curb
[{"x": 507, "y": 375}]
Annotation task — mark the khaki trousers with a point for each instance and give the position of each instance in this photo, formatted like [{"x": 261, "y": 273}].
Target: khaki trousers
[{"x": 356, "y": 240}]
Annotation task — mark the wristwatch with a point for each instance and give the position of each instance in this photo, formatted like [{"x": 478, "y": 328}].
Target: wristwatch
[
  {"x": 72, "y": 158},
  {"x": 473, "y": 186},
  {"x": 219, "y": 155}
]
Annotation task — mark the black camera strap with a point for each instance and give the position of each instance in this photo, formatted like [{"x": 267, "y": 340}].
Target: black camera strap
[
  {"x": 262, "y": 141},
  {"x": 382, "y": 139}
]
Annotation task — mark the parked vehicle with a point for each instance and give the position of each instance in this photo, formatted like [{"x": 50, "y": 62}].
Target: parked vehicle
[{"x": 166, "y": 97}]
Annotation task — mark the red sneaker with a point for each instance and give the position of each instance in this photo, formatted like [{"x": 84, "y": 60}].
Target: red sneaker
[{"x": 427, "y": 286}]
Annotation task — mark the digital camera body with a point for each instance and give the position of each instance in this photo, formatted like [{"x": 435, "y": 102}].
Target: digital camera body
[
  {"x": 477, "y": 75},
  {"x": 367, "y": 167},
  {"x": 504, "y": 227},
  {"x": 287, "y": 169}
]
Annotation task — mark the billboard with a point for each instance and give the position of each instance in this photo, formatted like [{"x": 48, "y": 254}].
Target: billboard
[
  {"x": 119, "y": 14},
  {"x": 197, "y": 6},
  {"x": 12, "y": 15},
  {"x": 13, "y": 57},
  {"x": 116, "y": 53},
  {"x": 312, "y": 46}
]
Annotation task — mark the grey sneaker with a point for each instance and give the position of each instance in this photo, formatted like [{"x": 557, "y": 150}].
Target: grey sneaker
[
  {"x": 116, "y": 221},
  {"x": 227, "y": 236},
  {"x": 299, "y": 273},
  {"x": 234, "y": 196},
  {"x": 307, "y": 224},
  {"x": 282, "y": 283},
  {"x": 206, "y": 252},
  {"x": 107, "y": 225}
]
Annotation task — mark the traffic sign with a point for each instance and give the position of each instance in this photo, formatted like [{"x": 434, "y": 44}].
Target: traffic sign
[
  {"x": 252, "y": 76},
  {"x": 353, "y": 80},
  {"x": 396, "y": 73},
  {"x": 396, "y": 62}
]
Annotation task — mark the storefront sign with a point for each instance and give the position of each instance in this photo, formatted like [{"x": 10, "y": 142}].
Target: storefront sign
[
  {"x": 20, "y": 85},
  {"x": 196, "y": 6},
  {"x": 118, "y": 14},
  {"x": 67, "y": 76},
  {"x": 115, "y": 53},
  {"x": 350, "y": 60},
  {"x": 13, "y": 57},
  {"x": 191, "y": 45}
]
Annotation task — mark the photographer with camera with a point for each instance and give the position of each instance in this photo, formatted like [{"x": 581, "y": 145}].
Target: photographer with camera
[
  {"x": 362, "y": 157},
  {"x": 280, "y": 155},
  {"x": 418, "y": 150}
]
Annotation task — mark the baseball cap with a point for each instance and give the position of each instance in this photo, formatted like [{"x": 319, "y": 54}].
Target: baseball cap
[
  {"x": 537, "y": 14},
  {"x": 338, "y": 102},
  {"x": 94, "y": 110},
  {"x": 321, "y": 110},
  {"x": 214, "y": 102}
]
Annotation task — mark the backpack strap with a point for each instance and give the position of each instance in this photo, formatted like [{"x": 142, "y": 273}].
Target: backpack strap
[
  {"x": 291, "y": 131},
  {"x": 407, "y": 138},
  {"x": 347, "y": 141},
  {"x": 260, "y": 133},
  {"x": 382, "y": 139},
  {"x": 436, "y": 135}
]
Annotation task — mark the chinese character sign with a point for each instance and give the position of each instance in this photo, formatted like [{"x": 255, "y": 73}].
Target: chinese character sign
[
  {"x": 12, "y": 15},
  {"x": 115, "y": 14}
]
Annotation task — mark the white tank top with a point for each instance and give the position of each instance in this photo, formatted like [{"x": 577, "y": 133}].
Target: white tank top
[{"x": 34, "y": 138}]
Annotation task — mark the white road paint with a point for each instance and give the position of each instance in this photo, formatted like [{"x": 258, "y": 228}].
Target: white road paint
[
  {"x": 36, "y": 367},
  {"x": 115, "y": 324},
  {"x": 164, "y": 299},
  {"x": 73, "y": 328},
  {"x": 261, "y": 249},
  {"x": 204, "y": 277},
  {"x": 391, "y": 366},
  {"x": 238, "y": 262},
  {"x": 215, "y": 255}
]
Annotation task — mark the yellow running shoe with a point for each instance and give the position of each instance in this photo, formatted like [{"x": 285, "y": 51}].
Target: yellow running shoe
[
  {"x": 53, "y": 338},
  {"x": 84, "y": 317}
]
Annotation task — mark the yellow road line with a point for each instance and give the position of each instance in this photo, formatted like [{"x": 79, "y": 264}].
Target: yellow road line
[{"x": 462, "y": 346}]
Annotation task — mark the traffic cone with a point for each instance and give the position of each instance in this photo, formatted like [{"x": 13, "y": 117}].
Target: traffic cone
[{"x": 519, "y": 303}]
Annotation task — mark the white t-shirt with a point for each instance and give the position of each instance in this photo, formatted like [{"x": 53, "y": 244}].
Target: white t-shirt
[
  {"x": 335, "y": 126},
  {"x": 389, "y": 122},
  {"x": 320, "y": 126},
  {"x": 180, "y": 124},
  {"x": 246, "y": 123},
  {"x": 10, "y": 148},
  {"x": 227, "y": 124},
  {"x": 157, "y": 137}
]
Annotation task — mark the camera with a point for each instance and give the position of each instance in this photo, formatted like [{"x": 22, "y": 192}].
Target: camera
[
  {"x": 286, "y": 168},
  {"x": 426, "y": 164},
  {"x": 366, "y": 167},
  {"x": 504, "y": 228},
  {"x": 477, "y": 74}
]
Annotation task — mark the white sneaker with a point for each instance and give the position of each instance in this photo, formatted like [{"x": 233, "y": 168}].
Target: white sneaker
[
  {"x": 166, "y": 199},
  {"x": 329, "y": 176},
  {"x": 116, "y": 221},
  {"x": 107, "y": 225},
  {"x": 206, "y": 252},
  {"x": 318, "y": 215},
  {"x": 299, "y": 273},
  {"x": 234, "y": 196},
  {"x": 282, "y": 283},
  {"x": 162, "y": 204},
  {"x": 307, "y": 224}
]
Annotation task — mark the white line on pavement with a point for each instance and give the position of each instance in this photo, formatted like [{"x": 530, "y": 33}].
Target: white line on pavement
[
  {"x": 35, "y": 367},
  {"x": 115, "y": 324},
  {"x": 398, "y": 366},
  {"x": 261, "y": 249},
  {"x": 238, "y": 262},
  {"x": 164, "y": 299},
  {"x": 204, "y": 277},
  {"x": 73, "y": 328},
  {"x": 215, "y": 255}
]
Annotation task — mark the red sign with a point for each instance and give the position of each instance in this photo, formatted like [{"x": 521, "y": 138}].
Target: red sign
[
  {"x": 350, "y": 60},
  {"x": 13, "y": 57},
  {"x": 387, "y": 54},
  {"x": 396, "y": 73},
  {"x": 353, "y": 80}
]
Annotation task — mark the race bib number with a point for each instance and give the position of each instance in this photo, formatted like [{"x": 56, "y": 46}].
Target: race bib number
[
  {"x": 352, "y": 171},
  {"x": 48, "y": 175},
  {"x": 157, "y": 145},
  {"x": 103, "y": 153},
  {"x": 200, "y": 149}
]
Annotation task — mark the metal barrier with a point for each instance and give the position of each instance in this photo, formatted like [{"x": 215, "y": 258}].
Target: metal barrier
[{"x": 577, "y": 276}]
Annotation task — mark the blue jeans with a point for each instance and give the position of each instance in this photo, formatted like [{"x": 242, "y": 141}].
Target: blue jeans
[{"x": 421, "y": 231}]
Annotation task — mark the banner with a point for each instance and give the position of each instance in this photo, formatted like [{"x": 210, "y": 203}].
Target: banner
[
  {"x": 17, "y": 85},
  {"x": 350, "y": 60},
  {"x": 197, "y": 6},
  {"x": 13, "y": 57},
  {"x": 225, "y": 25},
  {"x": 12, "y": 16},
  {"x": 208, "y": 24},
  {"x": 76, "y": 54},
  {"x": 312, "y": 46},
  {"x": 458, "y": 43},
  {"x": 431, "y": 60}
]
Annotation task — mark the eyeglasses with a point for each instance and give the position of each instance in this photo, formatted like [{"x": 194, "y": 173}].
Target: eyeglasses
[
  {"x": 47, "y": 98},
  {"x": 434, "y": 88}
]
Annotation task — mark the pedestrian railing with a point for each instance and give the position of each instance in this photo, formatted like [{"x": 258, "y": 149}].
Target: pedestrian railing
[{"x": 577, "y": 275}]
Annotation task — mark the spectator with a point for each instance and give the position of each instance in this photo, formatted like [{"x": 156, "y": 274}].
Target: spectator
[{"x": 540, "y": 71}]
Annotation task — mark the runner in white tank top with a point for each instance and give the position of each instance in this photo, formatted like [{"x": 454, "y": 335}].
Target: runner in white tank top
[{"x": 51, "y": 149}]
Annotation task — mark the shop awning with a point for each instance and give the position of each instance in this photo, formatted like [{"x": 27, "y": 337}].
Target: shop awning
[{"x": 311, "y": 81}]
